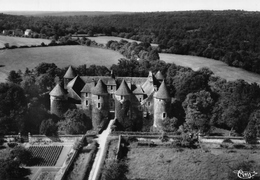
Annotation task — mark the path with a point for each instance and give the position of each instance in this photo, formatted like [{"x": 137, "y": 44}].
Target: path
[{"x": 100, "y": 157}]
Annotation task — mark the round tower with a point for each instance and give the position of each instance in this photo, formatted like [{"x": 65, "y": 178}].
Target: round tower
[
  {"x": 58, "y": 100},
  {"x": 69, "y": 75},
  {"x": 123, "y": 105},
  {"x": 100, "y": 105},
  {"x": 162, "y": 102}
]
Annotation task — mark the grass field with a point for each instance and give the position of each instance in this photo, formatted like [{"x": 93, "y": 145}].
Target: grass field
[
  {"x": 105, "y": 39},
  {"x": 218, "y": 67},
  {"x": 21, "y": 41},
  {"x": 171, "y": 163},
  {"x": 60, "y": 55}
]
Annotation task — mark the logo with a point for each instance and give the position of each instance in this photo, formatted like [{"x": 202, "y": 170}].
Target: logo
[{"x": 245, "y": 174}]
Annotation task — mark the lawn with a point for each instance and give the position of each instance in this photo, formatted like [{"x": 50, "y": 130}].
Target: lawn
[
  {"x": 172, "y": 163},
  {"x": 21, "y": 41},
  {"x": 60, "y": 55}
]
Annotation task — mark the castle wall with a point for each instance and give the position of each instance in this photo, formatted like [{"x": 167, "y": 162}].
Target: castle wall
[
  {"x": 123, "y": 110},
  {"x": 161, "y": 110},
  {"x": 58, "y": 106},
  {"x": 100, "y": 110}
]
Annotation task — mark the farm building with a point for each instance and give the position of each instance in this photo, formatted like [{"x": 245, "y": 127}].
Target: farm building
[
  {"x": 28, "y": 32},
  {"x": 136, "y": 100}
]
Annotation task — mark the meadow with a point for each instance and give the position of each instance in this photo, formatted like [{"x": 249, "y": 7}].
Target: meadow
[
  {"x": 21, "y": 41},
  {"x": 219, "y": 68},
  {"x": 62, "y": 56}
]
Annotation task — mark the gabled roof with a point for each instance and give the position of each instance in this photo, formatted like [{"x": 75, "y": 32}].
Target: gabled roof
[
  {"x": 70, "y": 73},
  {"x": 58, "y": 91},
  {"x": 123, "y": 89},
  {"x": 148, "y": 87},
  {"x": 162, "y": 93},
  {"x": 159, "y": 75},
  {"x": 99, "y": 89}
]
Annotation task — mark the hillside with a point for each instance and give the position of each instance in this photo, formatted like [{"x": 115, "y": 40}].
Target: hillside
[
  {"x": 20, "y": 41},
  {"x": 64, "y": 13},
  {"x": 61, "y": 55}
]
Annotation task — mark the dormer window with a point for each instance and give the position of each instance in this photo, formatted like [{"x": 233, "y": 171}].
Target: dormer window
[
  {"x": 122, "y": 97},
  {"x": 99, "y": 105},
  {"x": 98, "y": 96},
  {"x": 140, "y": 99},
  {"x": 111, "y": 87},
  {"x": 86, "y": 94},
  {"x": 86, "y": 103}
]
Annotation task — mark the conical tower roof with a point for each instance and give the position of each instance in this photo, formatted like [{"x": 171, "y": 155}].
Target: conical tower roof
[
  {"x": 100, "y": 88},
  {"x": 70, "y": 73},
  {"x": 123, "y": 89},
  {"x": 159, "y": 76},
  {"x": 58, "y": 91},
  {"x": 162, "y": 93}
]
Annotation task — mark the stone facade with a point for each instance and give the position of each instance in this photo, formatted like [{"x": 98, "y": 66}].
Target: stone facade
[{"x": 134, "y": 101}]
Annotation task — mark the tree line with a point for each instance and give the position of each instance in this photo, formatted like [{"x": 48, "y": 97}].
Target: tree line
[{"x": 229, "y": 36}]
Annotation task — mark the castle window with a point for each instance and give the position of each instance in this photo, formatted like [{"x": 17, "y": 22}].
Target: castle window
[
  {"x": 111, "y": 95},
  {"x": 99, "y": 105},
  {"x": 86, "y": 103},
  {"x": 149, "y": 103},
  {"x": 140, "y": 99},
  {"x": 140, "y": 108},
  {"x": 111, "y": 104},
  {"x": 86, "y": 95},
  {"x": 121, "y": 97},
  {"x": 98, "y": 96},
  {"x": 111, "y": 87},
  {"x": 164, "y": 115}
]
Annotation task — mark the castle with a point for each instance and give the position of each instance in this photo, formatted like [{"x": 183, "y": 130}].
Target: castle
[{"x": 135, "y": 102}]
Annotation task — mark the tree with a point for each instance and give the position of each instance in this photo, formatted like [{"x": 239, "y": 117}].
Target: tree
[
  {"x": 198, "y": 108},
  {"x": 250, "y": 133},
  {"x": 48, "y": 127},
  {"x": 76, "y": 122},
  {"x": 21, "y": 154},
  {"x": 10, "y": 170},
  {"x": 14, "y": 77}
]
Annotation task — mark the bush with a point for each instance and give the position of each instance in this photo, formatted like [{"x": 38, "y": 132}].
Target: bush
[
  {"x": 239, "y": 146},
  {"x": 12, "y": 145},
  {"x": 115, "y": 170}
]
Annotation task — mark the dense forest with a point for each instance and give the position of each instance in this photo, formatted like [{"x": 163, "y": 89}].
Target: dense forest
[
  {"x": 202, "y": 101},
  {"x": 229, "y": 36}
]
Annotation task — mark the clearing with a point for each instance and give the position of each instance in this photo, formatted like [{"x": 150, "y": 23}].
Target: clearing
[
  {"x": 62, "y": 56},
  {"x": 21, "y": 41}
]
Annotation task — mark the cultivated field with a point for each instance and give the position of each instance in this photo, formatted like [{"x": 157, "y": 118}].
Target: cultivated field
[
  {"x": 21, "y": 41},
  {"x": 60, "y": 55}
]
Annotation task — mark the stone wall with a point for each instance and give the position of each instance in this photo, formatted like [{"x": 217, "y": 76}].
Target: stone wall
[{"x": 48, "y": 139}]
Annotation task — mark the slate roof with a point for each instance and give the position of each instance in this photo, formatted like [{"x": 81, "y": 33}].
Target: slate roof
[
  {"x": 138, "y": 90},
  {"x": 70, "y": 73},
  {"x": 76, "y": 84},
  {"x": 58, "y": 91},
  {"x": 87, "y": 88},
  {"x": 159, "y": 75},
  {"x": 123, "y": 89},
  {"x": 162, "y": 93},
  {"x": 100, "y": 88}
]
